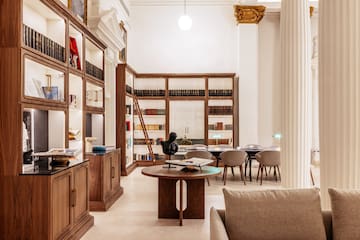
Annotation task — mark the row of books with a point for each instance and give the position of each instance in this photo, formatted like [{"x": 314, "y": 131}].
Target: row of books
[
  {"x": 187, "y": 92},
  {"x": 43, "y": 44},
  {"x": 220, "y": 110},
  {"x": 151, "y": 127},
  {"x": 220, "y": 126},
  {"x": 149, "y": 92},
  {"x": 152, "y": 111},
  {"x": 220, "y": 92},
  {"x": 142, "y": 141},
  {"x": 146, "y": 157},
  {"x": 94, "y": 71},
  {"x": 218, "y": 141}
]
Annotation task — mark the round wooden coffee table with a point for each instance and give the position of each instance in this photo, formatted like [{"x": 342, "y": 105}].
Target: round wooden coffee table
[{"x": 167, "y": 190}]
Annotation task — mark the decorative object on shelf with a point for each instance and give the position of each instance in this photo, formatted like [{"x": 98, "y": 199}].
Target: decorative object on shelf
[
  {"x": 74, "y": 134},
  {"x": 50, "y": 92},
  {"x": 89, "y": 143},
  {"x": 99, "y": 149},
  {"x": 73, "y": 101},
  {"x": 249, "y": 14},
  {"x": 185, "y": 21},
  {"x": 74, "y": 54}
]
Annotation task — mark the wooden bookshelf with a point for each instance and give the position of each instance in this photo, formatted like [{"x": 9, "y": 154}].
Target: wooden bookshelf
[
  {"x": 216, "y": 93},
  {"x": 46, "y": 83}
]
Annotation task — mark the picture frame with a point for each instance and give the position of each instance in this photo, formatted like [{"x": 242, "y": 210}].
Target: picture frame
[{"x": 79, "y": 9}]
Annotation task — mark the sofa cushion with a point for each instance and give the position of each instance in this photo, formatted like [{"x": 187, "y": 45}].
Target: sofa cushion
[
  {"x": 345, "y": 205},
  {"x": 274, "y": 215}
]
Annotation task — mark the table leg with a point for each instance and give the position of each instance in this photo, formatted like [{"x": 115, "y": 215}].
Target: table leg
[
  {"x": 195, "y": 199},
  {"x": 181, "y": 204},
  {"x": 167, "y": 198},
  {"x": 250, "y": 169}
]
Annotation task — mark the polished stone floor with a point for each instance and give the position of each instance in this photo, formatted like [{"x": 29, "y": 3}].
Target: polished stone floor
[{"x": 134, "y": 215}]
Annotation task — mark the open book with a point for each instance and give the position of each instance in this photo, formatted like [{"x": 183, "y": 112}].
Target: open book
[{"x": 197, "y": 162}]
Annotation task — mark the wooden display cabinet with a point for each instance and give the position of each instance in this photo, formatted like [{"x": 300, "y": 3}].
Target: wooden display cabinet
[
  {"x": 37, "y": 75},
  {"x": 105, "y": 186}
]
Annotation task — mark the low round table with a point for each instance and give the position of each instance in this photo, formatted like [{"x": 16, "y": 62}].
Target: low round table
[{"x": 167, "y": 190}]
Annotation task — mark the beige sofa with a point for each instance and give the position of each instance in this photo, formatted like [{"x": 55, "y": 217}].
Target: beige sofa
[
  {"x": 218, "y": 230},
  {"x": 286, "y": 214}
]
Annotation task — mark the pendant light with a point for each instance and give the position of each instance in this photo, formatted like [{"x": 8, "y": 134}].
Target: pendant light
[{"x": 185, "y": 22}]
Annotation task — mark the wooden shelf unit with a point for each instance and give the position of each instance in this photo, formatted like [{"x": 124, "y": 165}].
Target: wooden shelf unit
[
  {"x": 36, "y": 204},
  {"x": 210, "y": 82}
]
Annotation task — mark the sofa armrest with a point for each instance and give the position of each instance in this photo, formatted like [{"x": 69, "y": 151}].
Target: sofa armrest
[{"x": 217, "y": 227}]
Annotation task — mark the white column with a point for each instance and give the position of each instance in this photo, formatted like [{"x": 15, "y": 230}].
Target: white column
[
  {"x": 296, "y": 93},
  {"x": 248, "y": 83},
  {"x": 339, "y": 84}
]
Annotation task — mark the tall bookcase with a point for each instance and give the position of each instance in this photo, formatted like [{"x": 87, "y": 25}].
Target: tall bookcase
[
  {"x": 200, "y": 108},
  {"x": 52, "y": 85}
]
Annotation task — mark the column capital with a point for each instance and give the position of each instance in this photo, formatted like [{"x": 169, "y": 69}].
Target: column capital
[{"x": 249, "y": 14}]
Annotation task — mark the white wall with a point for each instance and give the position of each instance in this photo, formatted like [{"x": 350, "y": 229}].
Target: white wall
[
  {"x": 215, "y": 44},
  {"x": 156, "y": 44},
  {"x": 269, "y": 78}
]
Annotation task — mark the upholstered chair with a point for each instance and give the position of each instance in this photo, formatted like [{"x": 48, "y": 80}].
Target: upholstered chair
[
  {"x": 268, "y": 158},
  {"x": 233, "y": 158}
]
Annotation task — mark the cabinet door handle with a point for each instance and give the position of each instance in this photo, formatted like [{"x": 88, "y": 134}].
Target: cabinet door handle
[
  {"x": 112, "y": 172},
  {"x": 73, "y": 198}
]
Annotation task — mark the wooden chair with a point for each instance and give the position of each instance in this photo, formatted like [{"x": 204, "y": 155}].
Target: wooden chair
[
  {"x": 200, "y": 154},
  {"x": 231, "y": 159},
  {"x": 268, "y": 158}
]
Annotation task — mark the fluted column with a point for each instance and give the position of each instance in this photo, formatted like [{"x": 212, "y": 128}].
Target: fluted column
[
  {"x": 339, "y": 84},
  {"x": 296, "y": 93}
]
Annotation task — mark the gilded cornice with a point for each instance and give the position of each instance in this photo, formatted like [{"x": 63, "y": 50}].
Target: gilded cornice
[{"x": 249, "y": 14}]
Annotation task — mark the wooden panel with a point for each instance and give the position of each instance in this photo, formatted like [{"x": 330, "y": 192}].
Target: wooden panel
[
  {"x": 10, "y": 114},
  {"x": 81, "y": 188},
  {"x": 10, "y": 22},
  {"x": 61, "y": 206},
  {"x": 115, "y": 178},
  {"x": 24, "y": 207},
  {"x": 95, "y": 179},
  {"x": 107, "y": 175}
]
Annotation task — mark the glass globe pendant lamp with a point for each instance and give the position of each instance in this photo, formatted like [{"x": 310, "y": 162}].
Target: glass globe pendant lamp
[{"x": 185, "y": 21}]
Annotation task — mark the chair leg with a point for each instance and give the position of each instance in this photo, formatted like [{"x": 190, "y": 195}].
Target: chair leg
[
  {"x": 246, "y": 163},
  {"x": 242, "y": 174},
  {"x": 257, "y": 177},
  {"x": 266, "y": 171},
  {"x": 275, "y": 175},
  {"x": 225, "y": 174},
  {"x": 278, "y": 170},
  {"x": 261, "y": 177},
  {"x": 232, "y": 171},
  {"x": 208, "y": 181}
]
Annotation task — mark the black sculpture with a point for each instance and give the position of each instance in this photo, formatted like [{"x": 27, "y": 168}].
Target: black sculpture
[{"x": 170, "y": 147}]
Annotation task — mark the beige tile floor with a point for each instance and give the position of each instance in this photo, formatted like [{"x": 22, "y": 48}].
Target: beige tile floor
[{"x": 134, "y": 215}]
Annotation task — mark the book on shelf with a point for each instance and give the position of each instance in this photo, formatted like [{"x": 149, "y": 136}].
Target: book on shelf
[
  {"x": 187, "y": 92},
  {"x": 220, "y": 92},
  {"x": 149, "y": 92},
  {"x": 43, "y": 44},
  {"x": 151, "y": 111},
  {"x": 94, "y": 71},
  {"x": 220, "y": 110}
]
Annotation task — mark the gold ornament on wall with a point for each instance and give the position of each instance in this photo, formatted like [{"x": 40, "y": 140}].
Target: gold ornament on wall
[{"x": 249, "y": 14}]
